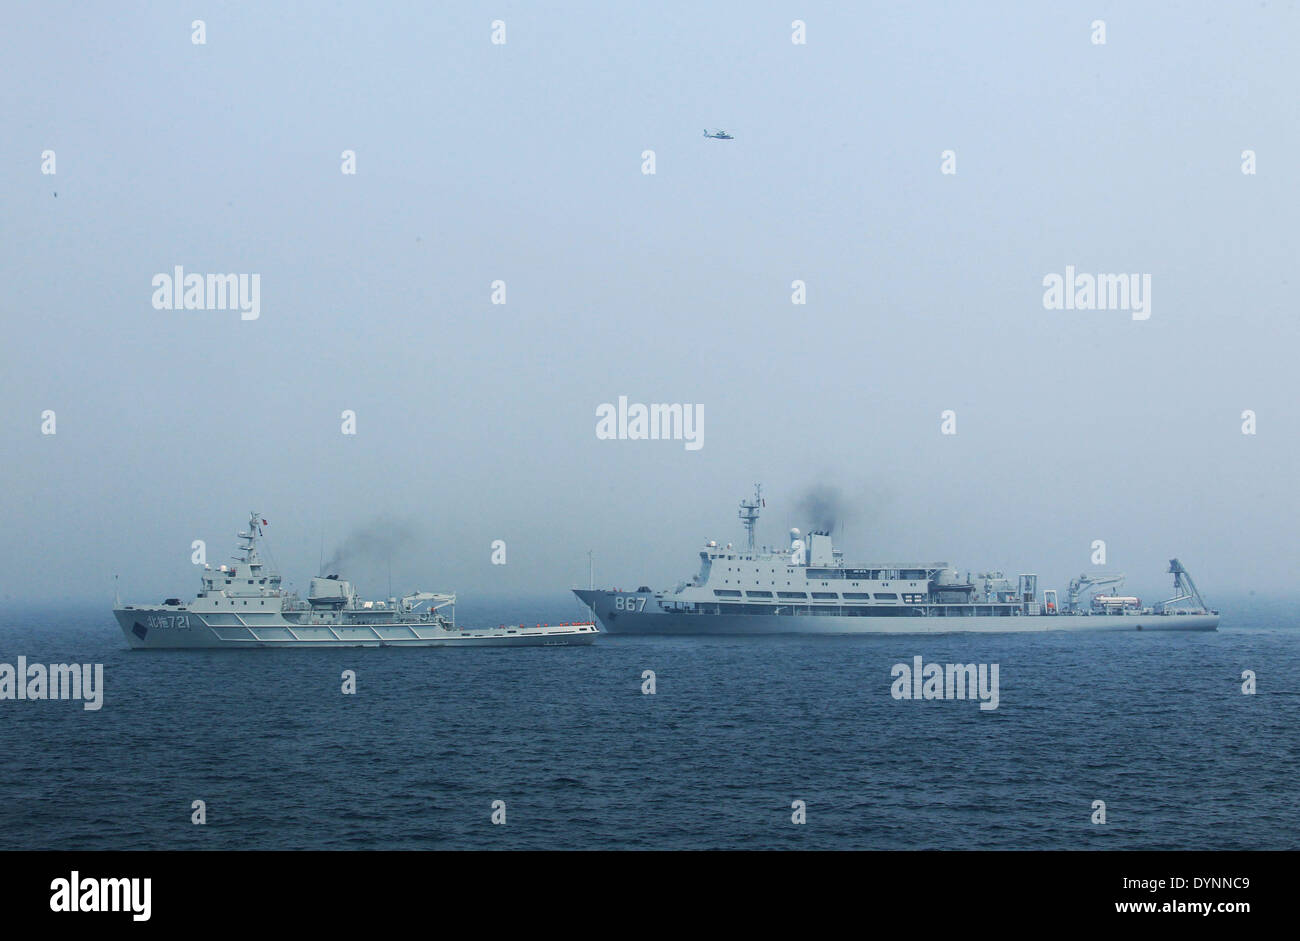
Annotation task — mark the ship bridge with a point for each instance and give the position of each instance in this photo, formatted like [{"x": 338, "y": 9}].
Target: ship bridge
[
  {"x": 811, "y": 571},
  {"x": 246, "y": 576}
]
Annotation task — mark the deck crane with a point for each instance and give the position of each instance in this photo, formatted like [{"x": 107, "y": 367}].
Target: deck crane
[
  {"x": 1184, "y": 587},
  {"x": 1077, "y": 585}
]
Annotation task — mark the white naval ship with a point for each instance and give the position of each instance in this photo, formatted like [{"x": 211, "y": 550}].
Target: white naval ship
[
  {"x": 243, "y": 605},
  {"x": 807, "y": 588}
]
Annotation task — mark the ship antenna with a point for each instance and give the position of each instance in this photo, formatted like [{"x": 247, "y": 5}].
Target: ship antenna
[{"x": 749, "y": 513}]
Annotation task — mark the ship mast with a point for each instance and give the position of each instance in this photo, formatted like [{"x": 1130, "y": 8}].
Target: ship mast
[
  {"x": 749, "y": 513},
  {"x": 248, "y": 540}
]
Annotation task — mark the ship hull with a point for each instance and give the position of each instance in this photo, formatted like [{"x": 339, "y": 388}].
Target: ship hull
[
  {"x": 171, "y": 629},
  {"x": 654, "y": 620}
]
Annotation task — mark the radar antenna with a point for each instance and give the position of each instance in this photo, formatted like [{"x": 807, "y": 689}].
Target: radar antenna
[{"x": 749, "y": 513}]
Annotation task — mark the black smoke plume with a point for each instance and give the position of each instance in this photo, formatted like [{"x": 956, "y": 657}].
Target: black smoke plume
[
  {"x": 371, "y": 545},
  {"x": 824, "y": 507}
]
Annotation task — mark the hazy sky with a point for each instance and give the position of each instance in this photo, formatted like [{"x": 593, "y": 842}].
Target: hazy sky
[{"x": 523, "y": 162}]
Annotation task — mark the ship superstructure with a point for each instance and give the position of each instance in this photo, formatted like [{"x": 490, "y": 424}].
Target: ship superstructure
[
  {"x": 807, "y": 587},
  {"x": 242, "y": 604}
]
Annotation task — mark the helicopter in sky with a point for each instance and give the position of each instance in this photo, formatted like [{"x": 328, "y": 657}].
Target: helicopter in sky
[{"x": 718, "y": 134}]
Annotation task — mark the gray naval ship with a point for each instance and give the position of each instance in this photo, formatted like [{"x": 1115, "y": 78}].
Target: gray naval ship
[
  {"x": 807, "y": 588},
  {"x": 243, "y": 605}
]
